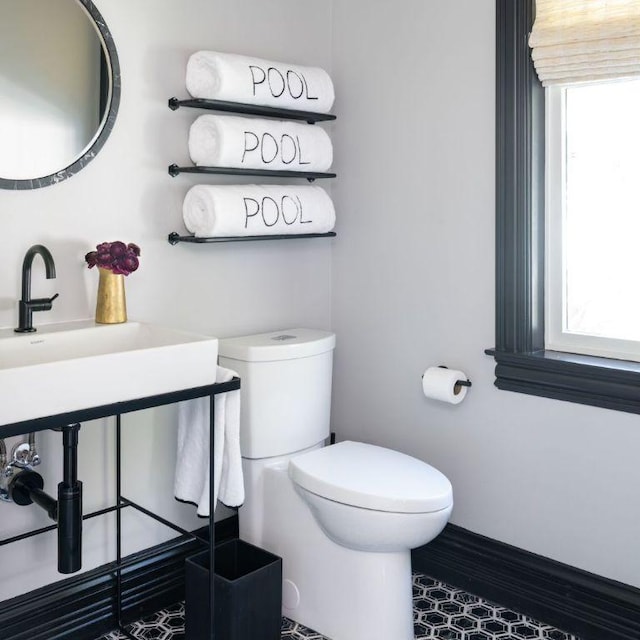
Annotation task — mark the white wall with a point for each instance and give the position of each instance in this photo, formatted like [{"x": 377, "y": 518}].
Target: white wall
[
  {"x": 414, "y": 286},
  {"x": 126, "y": 193}
]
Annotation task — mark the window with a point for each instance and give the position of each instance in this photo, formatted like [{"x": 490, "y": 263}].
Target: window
[
  {"x": 592, "y": 292},
  {"x": 522, "y": 362}
]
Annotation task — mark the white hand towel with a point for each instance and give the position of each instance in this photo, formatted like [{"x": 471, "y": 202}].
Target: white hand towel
[
  {"x": 192, "y": 468},
  {"x": 234, "y": 78},
  {"x": 258, "y": 143},
  {"x": 249, "y": 210}
]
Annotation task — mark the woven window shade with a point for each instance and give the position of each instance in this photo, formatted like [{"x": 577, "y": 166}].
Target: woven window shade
[{"x": 586, "y": 40}]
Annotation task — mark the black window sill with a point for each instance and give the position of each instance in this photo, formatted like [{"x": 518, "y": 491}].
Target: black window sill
[{"x": 591, "y": 380}]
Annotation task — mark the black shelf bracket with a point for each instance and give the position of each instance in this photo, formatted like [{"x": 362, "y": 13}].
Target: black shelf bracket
[
  {"x": 174, "y": 238},
  {"x": 311, "y": 117},
  {"x": 175, "y": 170}
]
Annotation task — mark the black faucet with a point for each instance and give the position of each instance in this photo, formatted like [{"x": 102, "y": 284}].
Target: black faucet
[{"x": 27, "y": 306}]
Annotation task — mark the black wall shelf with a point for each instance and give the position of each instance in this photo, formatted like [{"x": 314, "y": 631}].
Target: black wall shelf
[
  {"x": 251, "y": 109},
  {"x": 174, "y": 238},
  {"x": 175, "y": 170}
]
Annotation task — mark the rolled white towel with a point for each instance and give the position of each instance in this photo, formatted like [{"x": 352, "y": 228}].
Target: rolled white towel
[
  {"x": 252, "y": 210},
  {"x": 258, "y": 143},
  {"x": 234, "y": 78}
]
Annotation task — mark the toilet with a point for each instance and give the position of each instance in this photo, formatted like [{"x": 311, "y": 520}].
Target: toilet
[{"x": 343, "y": 517}]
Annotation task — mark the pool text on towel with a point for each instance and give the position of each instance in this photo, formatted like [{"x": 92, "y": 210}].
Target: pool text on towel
[
  {"x": 294, "y": 83},
  {"x": 289, "y": 209},
  {"x": 287, "y": 149}
]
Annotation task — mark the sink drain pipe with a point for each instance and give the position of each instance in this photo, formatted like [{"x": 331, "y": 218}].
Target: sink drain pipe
[
  {"x": 70, "y": 505},
  {"x": 27, "y": 487}
]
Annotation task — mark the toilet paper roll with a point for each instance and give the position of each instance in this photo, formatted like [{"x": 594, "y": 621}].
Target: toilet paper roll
[{"x": 442, "y": 384}]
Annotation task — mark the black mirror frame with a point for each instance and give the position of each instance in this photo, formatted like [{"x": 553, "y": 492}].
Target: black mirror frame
[{"x": 113, "y": 65}]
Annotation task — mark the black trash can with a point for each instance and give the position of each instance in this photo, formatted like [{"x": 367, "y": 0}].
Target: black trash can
[{"x": 247, "y": 594}]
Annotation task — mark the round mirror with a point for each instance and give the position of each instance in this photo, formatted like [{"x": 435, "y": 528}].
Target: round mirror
[{"x": 59, "y": 89}]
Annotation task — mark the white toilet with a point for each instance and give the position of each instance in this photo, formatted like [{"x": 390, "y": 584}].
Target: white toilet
[{"x": 342, "y": 517}]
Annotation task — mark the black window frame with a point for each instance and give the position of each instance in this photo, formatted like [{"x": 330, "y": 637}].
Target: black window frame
[{"x": 522, "y": 363}]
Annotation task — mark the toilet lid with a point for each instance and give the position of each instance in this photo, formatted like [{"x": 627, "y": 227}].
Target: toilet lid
[{"x": 371, "y": 477}]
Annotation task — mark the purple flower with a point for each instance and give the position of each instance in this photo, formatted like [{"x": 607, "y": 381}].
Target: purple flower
[
  {"x": 117, "y": 269},
  {"x": 117, "y": 257},
  {"x": 104, "y": 260},
  {"x": 91, "y": 258},
  {"x": 118, "y": 249},
  {"x": 130, "y": 263}
]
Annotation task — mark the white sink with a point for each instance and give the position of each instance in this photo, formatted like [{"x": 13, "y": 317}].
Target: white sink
[{"x": 77, "y": 365}]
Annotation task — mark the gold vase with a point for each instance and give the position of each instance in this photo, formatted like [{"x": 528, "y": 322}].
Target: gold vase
[{"x": 111, "y": 305}]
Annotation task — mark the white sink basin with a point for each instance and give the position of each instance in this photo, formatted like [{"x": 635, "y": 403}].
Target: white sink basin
[{"x": 78, "y": 365}]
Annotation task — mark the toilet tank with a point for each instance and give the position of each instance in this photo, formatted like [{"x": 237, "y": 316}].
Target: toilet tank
[{"x": 286, "y": 389}]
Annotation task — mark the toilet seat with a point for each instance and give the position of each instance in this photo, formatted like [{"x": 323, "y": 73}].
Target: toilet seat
[{"x": 371, "y": 477}]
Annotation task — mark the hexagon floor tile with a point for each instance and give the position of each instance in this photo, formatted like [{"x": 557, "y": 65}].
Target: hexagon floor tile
[{"x": 440, "y": 612}]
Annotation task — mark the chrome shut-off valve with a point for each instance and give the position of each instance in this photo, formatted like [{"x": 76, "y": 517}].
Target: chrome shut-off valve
[{"x": 24, "y": 456}]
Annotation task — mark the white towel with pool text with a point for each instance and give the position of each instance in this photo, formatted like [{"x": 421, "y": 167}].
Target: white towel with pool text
[
  {"x": 230, "y": 77},
  {"x": 254, "y": 210},
  {"x": 258, "y": 143}
]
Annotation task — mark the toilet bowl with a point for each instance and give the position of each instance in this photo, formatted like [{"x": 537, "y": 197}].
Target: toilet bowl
[
  {"x": 343, "y": 517},
  {"x": 370, "y": 498}
]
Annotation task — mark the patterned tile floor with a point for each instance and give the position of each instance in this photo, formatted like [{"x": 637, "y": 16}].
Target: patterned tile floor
[{"x": 440, "y": 612}]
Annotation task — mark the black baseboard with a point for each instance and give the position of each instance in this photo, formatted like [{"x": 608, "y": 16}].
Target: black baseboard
[
  {"x": 590, "y": 606},
  {"x": 82, "y": 607}
]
